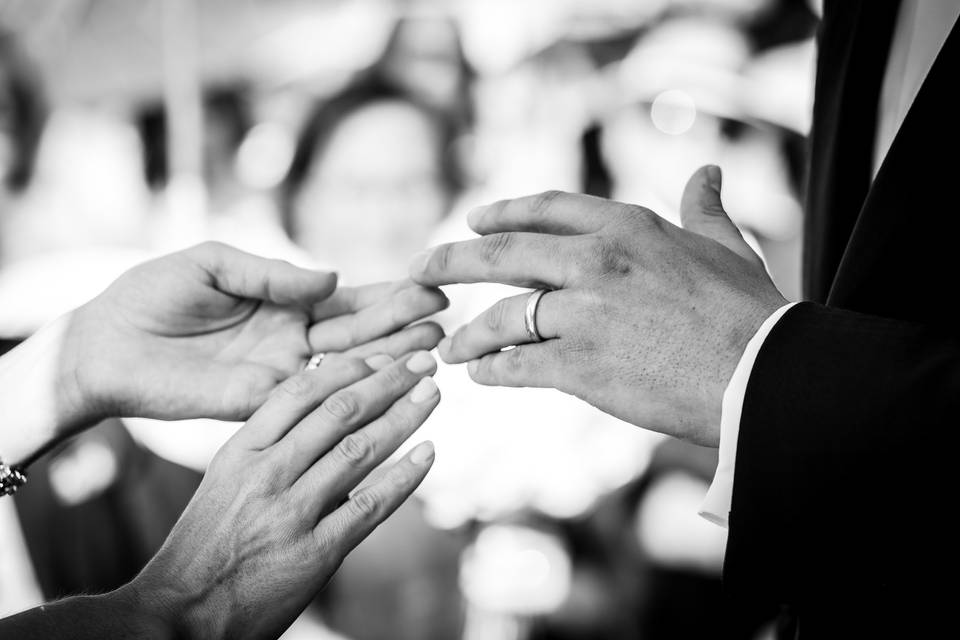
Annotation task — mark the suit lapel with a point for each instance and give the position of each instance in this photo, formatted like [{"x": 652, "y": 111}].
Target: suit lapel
[
  {"x": 854, "y": 42},
  {"x": 901, "y": 250}
]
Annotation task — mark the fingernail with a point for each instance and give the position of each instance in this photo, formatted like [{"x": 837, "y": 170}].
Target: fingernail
[
  {"x": 418, "y": 264},
  {"x": 421, "y": 362},
  {"x": 378, "y": 361},
  {"x": 422, "y": 453},
  {"x": 714, "y": 176},
  {"x": 474, "y": 215},
  {"x": 444, "y": 347},
  {"x": 473, "y": 366},
  {"x": 424, "y": 390}
]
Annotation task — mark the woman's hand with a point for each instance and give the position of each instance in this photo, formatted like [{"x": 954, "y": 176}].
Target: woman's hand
[
  {"x": 211, "y": 331},
  {"x": 272, "y": 519}
]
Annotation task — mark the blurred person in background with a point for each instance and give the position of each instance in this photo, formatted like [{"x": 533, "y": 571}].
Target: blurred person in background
[
  {"x": 227, "y": 120},
  {"x": 212, "y": 331},
  {"x": 371, "y": 179},
  {"x": 835, "y": 416},
  {"x": 22, "y": 114},
  {"x": 424, "y": 57},
  {"x": 536, "y": 98},
  {"x": 238, "y": 213}
]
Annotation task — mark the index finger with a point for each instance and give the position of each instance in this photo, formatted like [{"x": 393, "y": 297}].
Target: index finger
[
  {"x": 534, "y": 260},
  {"x": 351, "y": 299},
  {"x": 548, "y": 212},
  {"x": 385, "y": 316}
]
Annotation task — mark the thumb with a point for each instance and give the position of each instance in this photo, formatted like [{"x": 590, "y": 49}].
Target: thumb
[
  {"x": 245, "y": 275},
  {"x": 702, "y": 212}
]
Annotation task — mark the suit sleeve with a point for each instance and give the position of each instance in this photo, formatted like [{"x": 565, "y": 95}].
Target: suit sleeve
[
  {"x": 841, "y": 489},
  {"x": 716, "y": 504}
]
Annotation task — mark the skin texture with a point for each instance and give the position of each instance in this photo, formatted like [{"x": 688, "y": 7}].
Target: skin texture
[
  {"x": 644, "y": 320},
  {"x": 215, "y": 332},
  {"x": 273, "y": 518},
  {"x": 210, "y": 331}
]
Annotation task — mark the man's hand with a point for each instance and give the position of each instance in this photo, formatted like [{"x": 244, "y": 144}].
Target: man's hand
[
  {"x": 211, "y": 331},
  {"x": 644, "y": 320}
]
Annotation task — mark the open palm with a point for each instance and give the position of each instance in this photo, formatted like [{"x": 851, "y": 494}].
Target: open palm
[{"x": 210, "y": 331}]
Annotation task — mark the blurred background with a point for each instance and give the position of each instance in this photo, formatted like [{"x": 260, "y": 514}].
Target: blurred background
[{"x": 350, "y": 134}]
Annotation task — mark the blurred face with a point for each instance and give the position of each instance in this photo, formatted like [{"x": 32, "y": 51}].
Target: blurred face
[{"x": 374, "y": 195}]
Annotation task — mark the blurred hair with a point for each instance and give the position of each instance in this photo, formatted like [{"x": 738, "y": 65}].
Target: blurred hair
[
  {"x": 595, "y": 177},
  {"x": 327, "y": 115},
  {"x": 26, "y": 111},
  {"x": 782, "y": 22},
  {"x": 461, "y": 112},
  {"x": 227, "y": 104}
]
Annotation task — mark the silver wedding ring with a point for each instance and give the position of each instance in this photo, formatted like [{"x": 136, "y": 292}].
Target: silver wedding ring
[
  {"x": 530, "y": 315},
  {"x": 314, "y": 361}
]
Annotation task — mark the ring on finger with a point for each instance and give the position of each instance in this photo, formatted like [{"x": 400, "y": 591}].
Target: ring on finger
[
  {"x": 530, "y": 315},
  {"x": 315, "y": 361}
]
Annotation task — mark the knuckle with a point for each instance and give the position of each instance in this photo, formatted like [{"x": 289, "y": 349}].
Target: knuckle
[
  {"x": 443, "y": 257},
  {"x": 400, "y": 307},
  {"x": 585, "y": 260},
  {"x": 575, "y": 348},
  {"x": 613, "y": 258},
  {"x": 329, "y": 546},
  {"x": 269, "y": 472},
  {"x": 541, "y": 203},
  {"x": 365, "y": 504},
  {"x": 496, "y": 316},
  {"x": 299, "y": 386},
  {"x": 493, "y": 247},
  {"x": 209, "y": 246},
  {"x": 354, "y": 367},
  {"x": 591, "y": 308},
  {"x": 356, "y": 449},
  {"x": 515, "y": 360},
  {"x": 395, "y": 378},
  {"x": 342, "y": 405},
  {"x": 646, "y": 218}
]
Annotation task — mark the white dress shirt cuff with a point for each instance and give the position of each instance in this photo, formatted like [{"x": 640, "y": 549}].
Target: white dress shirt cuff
[{"x": 716, "y": 505}]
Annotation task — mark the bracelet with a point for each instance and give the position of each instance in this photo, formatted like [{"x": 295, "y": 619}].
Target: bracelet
[{"x": 11, "y": 479}]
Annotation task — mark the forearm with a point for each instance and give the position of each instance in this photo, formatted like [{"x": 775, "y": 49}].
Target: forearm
[
  {"x": 112, "y": 615},
  {"x": 41, "y": 401}
]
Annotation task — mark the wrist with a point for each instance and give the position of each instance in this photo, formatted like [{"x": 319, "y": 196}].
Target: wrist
[
  {"x": 42, "y": 399},
  {"x": 743, "y": 330},
  {"x": 85, "y": 374},
  {"x": 187, "y": 613},
  {"x": 140, "y": 615}
]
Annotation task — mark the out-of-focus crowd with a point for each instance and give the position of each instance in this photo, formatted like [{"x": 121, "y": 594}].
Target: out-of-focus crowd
[{"x": 351, "y": 134}]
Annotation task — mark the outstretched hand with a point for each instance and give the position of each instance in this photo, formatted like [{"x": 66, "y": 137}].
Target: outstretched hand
[
  {"x": 211, "y": 331},
  {"x": 278, "y": 509},
  {"x": 642, "y": 319}
]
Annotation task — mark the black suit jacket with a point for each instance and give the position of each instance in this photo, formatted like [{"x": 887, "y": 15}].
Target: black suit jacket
[{"x": 843, "y": 488}]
